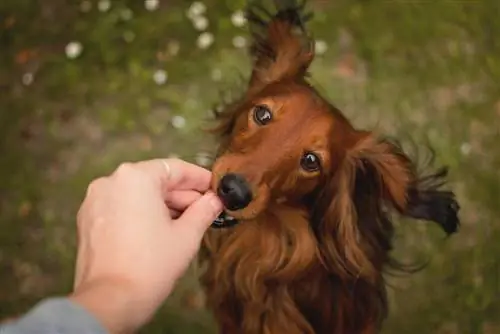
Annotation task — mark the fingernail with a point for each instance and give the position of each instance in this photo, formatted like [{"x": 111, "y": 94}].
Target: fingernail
[{"x": 215, "y": 202}]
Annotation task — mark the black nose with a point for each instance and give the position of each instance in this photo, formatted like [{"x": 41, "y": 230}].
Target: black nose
[{"x": 234, "y": 191}]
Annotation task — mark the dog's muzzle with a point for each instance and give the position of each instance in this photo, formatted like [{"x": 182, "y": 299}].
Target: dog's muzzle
[{"x": 235, "y": 193}]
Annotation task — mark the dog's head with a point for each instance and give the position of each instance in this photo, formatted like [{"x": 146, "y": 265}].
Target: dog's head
[
  {"x": 282, "y": 142},
  {"x": 277, "y": 136}
]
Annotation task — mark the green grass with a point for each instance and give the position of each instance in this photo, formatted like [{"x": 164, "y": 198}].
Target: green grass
[{"x": 424, "y": 69}]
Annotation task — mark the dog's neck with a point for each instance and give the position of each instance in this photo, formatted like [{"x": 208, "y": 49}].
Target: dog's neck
[
  {"x": 255, "y": 264},
  {"x": 278, "y": 244}
]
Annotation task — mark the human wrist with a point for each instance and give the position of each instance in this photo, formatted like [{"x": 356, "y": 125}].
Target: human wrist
[{"x": 114, "y": 304}]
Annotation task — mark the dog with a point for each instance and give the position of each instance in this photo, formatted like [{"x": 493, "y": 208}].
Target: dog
[{"x": 306, "y": 233}]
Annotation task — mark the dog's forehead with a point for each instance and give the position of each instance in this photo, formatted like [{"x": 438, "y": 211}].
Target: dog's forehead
[{"x": 300, "y": 96}]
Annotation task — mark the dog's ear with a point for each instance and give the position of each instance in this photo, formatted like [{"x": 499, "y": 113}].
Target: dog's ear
[
  {"x": 373, "y": 177},
  {"x": 280, "y": 46}
]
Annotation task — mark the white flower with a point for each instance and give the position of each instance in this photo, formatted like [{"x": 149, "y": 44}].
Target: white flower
[
  {"x": 205, "y": 40},
  {"x": 128, "y": 36},
  {"x": 178, "y": 122},
  {"x": 173, "y": 48},
  {"x": 28, "y": 78},
  {"x": 320, "y": 47},
  {"x": 465, "y": 148},
  {"x": 86, "y": 6},
  {"x": 126, "y": 14},
  {"x": 203, "y": 159},
  {"x": 239, "y": 42},
  {"x": 104, "y": 5},
  {"x": 151, "y": 4},
  {"x": 197, "y": 8},
  {"x": 73, "y": 49},
  {"x": 216, "y": 74},
  {"x": 200, "y": 23},
  {"x": 238, "y": 18},
  {"x": 160, "y": 77}
]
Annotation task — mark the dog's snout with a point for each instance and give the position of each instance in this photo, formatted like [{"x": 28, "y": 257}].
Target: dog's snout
[{"x": 234, "y": 191}]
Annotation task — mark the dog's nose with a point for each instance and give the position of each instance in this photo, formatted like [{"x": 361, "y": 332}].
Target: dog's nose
[{"x": 234, "y": 192}]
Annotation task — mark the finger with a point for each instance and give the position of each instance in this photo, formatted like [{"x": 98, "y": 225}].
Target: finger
[
  {"x": 198, "y": 217},
  {"x": 180, "y": 199},
  {"x": 96, "y": 183},
  {"x": 187, "y": 176},
  {"x": 177, "y": 174}
]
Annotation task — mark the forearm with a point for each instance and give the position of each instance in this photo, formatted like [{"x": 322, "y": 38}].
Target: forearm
[
  {"x": 114, "y": 304},
  {"x": 101, "y": 307}
]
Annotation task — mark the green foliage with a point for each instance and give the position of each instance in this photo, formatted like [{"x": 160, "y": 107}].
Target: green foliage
[{"x": 429, "y": 70}]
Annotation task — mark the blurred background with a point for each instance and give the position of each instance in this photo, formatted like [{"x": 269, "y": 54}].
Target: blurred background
[{"x": 87, "y": 84}]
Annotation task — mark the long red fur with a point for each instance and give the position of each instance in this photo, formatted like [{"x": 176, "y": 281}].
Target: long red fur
[{"x": 312, "y": 264}]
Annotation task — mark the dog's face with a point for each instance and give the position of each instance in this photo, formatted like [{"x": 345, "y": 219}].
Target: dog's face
[
  {"x": 279, "y": 149},
  {"x": 283, "y": 141}
]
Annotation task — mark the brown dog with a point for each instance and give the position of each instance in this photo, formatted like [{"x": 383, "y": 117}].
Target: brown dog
[{"x": 310, "y": 198}]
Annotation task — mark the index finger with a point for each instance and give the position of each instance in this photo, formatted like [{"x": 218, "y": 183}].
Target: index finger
[{"x": 178, "y": 174}]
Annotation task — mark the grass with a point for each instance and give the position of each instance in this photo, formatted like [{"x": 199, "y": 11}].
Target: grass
[{"x": 425, "y": 69}]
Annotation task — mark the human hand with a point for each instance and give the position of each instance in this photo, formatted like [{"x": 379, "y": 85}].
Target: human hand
[{"x": 138, "y": 231}]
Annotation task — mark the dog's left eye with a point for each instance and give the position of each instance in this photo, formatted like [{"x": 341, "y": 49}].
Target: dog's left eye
[
  {"x": 310, "y": 162},
  {"x": 262, "y": 115}
]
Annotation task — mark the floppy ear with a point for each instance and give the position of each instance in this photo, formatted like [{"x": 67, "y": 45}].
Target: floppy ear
[
  {"x": 375, "y": 176},
  {"x": 278, "y": 50}
]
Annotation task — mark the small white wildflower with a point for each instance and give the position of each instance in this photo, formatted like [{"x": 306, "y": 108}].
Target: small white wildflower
[
  {"x": 85, "y": 6},
  {"x": 151, "y": 4},
  {"x": 126, "y": 14},
  {"x": 200, "y": 23},
  {"x": 203, "y": 159},
  {"x": 28, "y": 78},
  {"x": 216, "y": 74},
  {"x": 173, "y": 48},
  {"x": 73, "y": 49},
  {"x": 205, "y": 40},
  {"x": 238, "y": 18},
  {"x": 104, "y": 5},
  {"x": 128, "y": 36},
  {"x": 160, "y": 77},
  {"x": 239, "y": 42},
  {"x": 465, "y": 148},
  {"x": 320, "y": 47},
  {"x": 178, "y": 122},
  {"x": 197, "y": 8}
]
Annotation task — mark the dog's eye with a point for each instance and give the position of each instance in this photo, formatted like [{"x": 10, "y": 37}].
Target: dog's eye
[
  {"x": 310, "y": 162},
  {"x": 262, "y": 115}
]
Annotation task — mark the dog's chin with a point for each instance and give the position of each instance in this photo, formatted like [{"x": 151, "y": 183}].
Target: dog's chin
[
  {"x": 225, "y": 220},
  {"x": 229, "y": 218}
]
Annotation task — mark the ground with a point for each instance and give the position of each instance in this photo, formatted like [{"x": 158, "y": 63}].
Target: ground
[{"x": 85, "y": 85}]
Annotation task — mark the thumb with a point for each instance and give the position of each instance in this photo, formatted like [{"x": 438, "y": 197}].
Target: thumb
[{"x": 199, "y": 215}]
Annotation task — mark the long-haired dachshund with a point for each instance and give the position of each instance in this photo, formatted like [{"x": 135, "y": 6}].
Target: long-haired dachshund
[{"x": 308, "y": 200}]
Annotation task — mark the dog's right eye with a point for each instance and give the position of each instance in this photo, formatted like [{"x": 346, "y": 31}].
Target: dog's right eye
[
  {"x": 310, "y": 162},
  {"x": 262, "y": 115}
]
